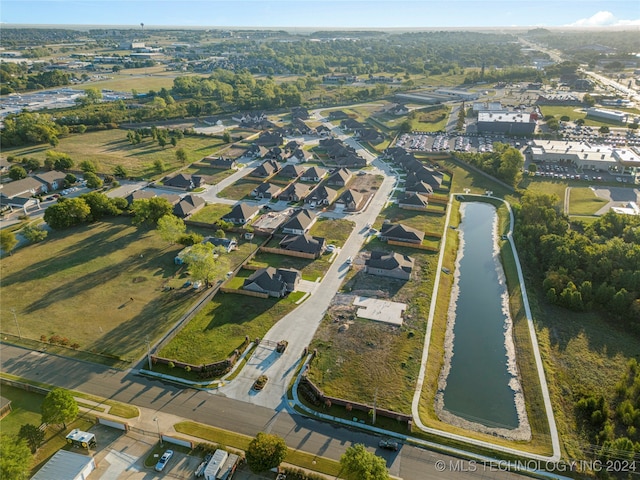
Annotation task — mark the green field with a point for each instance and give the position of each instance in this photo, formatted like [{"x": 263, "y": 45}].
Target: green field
[
  {"x": 100, "y": 286},
  {"x": 211, "y": 213},
  {"x": 582, "y": 201},
  {"x": 219, "y": 328},
  {"x": 334, "y": 231},
  {"x": 25, "y": 408},
  {"x": 109, "y": 148}
]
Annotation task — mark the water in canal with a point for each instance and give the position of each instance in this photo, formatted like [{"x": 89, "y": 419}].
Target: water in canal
[{"x": 479, "y": 387}]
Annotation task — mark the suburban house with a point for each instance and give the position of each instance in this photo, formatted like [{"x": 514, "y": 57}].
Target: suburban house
[
  {"x": 295, "y": 192},
  {"x": 303, "y": 243},
  {"x": 413, "y": 201},
  {"x": 253, "y": 118},
  {"x": 274, "y": 153},
  {"x": 241, "y": 214},
  {"x": 350, "y": 200},
  {"x": 300, "y": 112},
  {"x": 321, "y": 195},
  {"x": 300, "y": 156},
  {"x": 5, "y": 407},
  {"x": 52, "y": 180},
  {"x": 427, "y": 175},
  {"x": 340, "y": 177},
  {"x": 350, "y": 161},
  {"x": 323, "y": 130},
  {"x": 351, "y": 124},
  {"x": 188, "y": 205},
  {"x": 266, "y": 190},
  {"x": 400, "y": 233},
  {"x": 140, "y": 195},
  {"x": 385, "y": 264},
  {"x": 398, "y": 110},
  {"x": 184, "y": 181},
  {"x": 269, "y": 139},
  {"x": 313, "y": 174},
  {"x": 290, "y": 171},
  {"x": 275, "y": 282},
  {"x": 265, "y": 170},
  {"x": 419, "y": 187},
  {"x": 227, "y": 243},
  {"x": 337, "y": 115},
  {"x": 300, "y": 222},
  {"x": 19, "y": 193},
  {"x": 220, "y": 162},
  {"x": 293, "y": 145},
  {"x": 369, "y": 135}
]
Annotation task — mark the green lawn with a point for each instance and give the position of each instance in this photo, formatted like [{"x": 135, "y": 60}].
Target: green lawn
[
  {"x": 99, "y": 285},
  {"x": 25, "y": 408},
  {"x": 109, "y": 148},
  {"x": 240, "y": 189},
  {"x": 582, "y": 201},
  {"x": 219, "y": 328},
  {"x": 310, "y": 269},
  {"x": 211, "y": 213},
  {"x": 334, "y": 231}
]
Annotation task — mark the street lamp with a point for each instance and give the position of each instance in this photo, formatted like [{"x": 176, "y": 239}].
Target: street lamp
[
  {"x": 155, "y": 419},
  {"x": 148, "y": 351},
  {"x": 15, "y": 319}
]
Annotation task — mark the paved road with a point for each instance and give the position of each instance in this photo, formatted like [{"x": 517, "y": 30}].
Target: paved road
[{"x": 410, "y": 463}]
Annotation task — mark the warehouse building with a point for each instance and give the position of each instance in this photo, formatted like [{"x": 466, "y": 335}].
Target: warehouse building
[
  {"x": 509, "y": 123},
  {"x": 612, "y": 115}
]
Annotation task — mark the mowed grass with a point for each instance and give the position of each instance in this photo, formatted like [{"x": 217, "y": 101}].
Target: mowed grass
[
  {"x": 583, "y": 201},
  {"x": 110, "y": 148},
  {"x": 311, "y": 269},
  {"x": 333, "y": 230},
  {"x": 241, "y": 189},
  {"x": 211, "y": 213},
  {"x": 99, "y": 285},
  {"x": 25, "y": 408},
  {"x": 220, "y": 327}
]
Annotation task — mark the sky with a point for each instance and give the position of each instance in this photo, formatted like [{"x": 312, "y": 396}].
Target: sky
[{"x": 324, "y": 13}]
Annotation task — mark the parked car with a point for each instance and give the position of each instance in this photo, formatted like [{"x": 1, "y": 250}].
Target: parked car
[
  {"x": 388, "y": 444},
  {"x": 164, "y": 459},
  {"x": 349, "y": 261}
]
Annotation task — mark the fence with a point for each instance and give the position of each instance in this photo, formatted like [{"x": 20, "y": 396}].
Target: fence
[
  {"x": 248, "y": 293},
  {"x": 289, "y": 253},
  {"x": 113, "y": 424},
  {"x": 24, "y": 386},
  {"x": 412, "y": 245},
  {"x": 310, "y": 388}
]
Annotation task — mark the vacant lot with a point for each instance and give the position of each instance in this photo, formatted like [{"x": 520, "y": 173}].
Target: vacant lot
[
  {"x": 100, "y": 286},
  {"x": 583, "y": 201},
  {"x": 109, "y": 148},
  {"x": 241, "y": 189},
  {"x": 222, "y": 325}
]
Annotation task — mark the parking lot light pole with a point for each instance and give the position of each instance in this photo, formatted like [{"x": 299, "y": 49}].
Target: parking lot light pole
[{"x": 155, "y": 419}]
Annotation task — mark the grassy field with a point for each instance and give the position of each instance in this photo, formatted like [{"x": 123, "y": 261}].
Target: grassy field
[
  {"x": 140, "y": 79},
  {"x": 109, "y": 148},
  {"x": 311, "y": 269},
  {"x": 211, "y": 213},
  {"x": 99, "y": 285},
  {"x": 25, "y": 408},
  {"x": 335, "y": 231},
  {"x": 220, "y": 327},
  {"x": 582, "y": 201},
  {"x": 240, "y": 189}
]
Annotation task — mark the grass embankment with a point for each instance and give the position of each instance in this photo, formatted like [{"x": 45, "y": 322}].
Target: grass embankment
[
  {"x": 109, "y": 148},
  {"x": 241, "y": 442},
  {"x": 110, "y": 272},
  {"x": 583, "y": 201}
]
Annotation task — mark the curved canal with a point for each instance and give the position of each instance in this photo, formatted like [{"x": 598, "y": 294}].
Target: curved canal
[{"x": 479, "y": 387}]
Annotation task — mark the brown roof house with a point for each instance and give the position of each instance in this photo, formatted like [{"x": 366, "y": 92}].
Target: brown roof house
[
  {"x": 295, "y": 192},
  {"x": 400, "y": 233},
  {"x": 220, "y": 162},
  {"x": 265, "y": 170},
  {"x": 184, "y": 181},
  {"x": 188, "y": 205},
  {"x": 350, "y": 200},
  {"x": 53, "y": 180},
  {"x": 313, "y": 174},
  {"x": 266, "y": 190},
  {"x": 275, "y": 282},
  {"x": 290, "y": 171},
  {"x": 304, "y": 243},
  {"x": 385, "y": 264},
  {"x": 340, "y": 177},
  {"x": 413, "y": 201},
  {"x": 321, "y": 195},
  {"x": 300, "y": 222},
  {"x": 241, "y": 214}
]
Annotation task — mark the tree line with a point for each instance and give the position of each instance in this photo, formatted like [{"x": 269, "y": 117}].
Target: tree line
[{"x": 582, "y": 267}]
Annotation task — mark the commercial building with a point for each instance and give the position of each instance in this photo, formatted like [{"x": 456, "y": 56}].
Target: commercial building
[
  {"x": 613, "y": 115},
  {"x": 510, "y": 123},
  {"x": 66, "y": 465}
]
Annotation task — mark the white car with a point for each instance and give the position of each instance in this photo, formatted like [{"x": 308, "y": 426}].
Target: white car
[{"x": 166, "y": 456}]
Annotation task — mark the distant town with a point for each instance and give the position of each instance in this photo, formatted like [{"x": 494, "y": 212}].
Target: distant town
[{"x": 370, "y": 254}]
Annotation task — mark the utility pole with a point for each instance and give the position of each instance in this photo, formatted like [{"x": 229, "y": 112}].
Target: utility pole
[
  {"x": 375, "y": 400},
  {"x": 15, "y": 319},
  {"x": 146, "y": 339}
]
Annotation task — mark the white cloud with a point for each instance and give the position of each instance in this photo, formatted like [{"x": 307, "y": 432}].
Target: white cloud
[{"x": 603, "y": 19}]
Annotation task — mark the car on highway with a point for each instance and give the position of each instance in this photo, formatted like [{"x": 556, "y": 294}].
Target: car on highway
[
  {"x": 388, "y": 444},
  {"x": 164, "y": 459}
]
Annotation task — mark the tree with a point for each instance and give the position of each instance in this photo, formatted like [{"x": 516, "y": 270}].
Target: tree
[
  {"x": 360, "y": 464},
  {"x": 226, "y": 137},
  {"x": 150, "y": 210},
  {"x": 8, "y": 241},
  {"x": 88, "y": 166},
  {"x": 120, "y": 172},
  {"x": 604, "y": 130},
  {"x": 31, "y": 163},
  {"x": 265, "y": 452},
  {"x": 171, "y": 228},
  {"x": 181, "y": 155},
  {"x": 201, "y": 262},
  {"x": 93, "y": 181},
  {"x": 162, "y": 141},
  {"x": 100, "y": 205},
  {"x": 32, "y": 435},
  {"x": 15, "y": 458},
  {"x": 60, "y": 161},
  {"x": 16, "y": 172},
  {"x": 70, "y": 179},
  {"x": 33, "y": 233},
  {"x": 174, "y": 141},
  {"x": 159, "y": 165},
  {"x": 59, "y": 406},
  {"x": 67, "y": 213}
]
